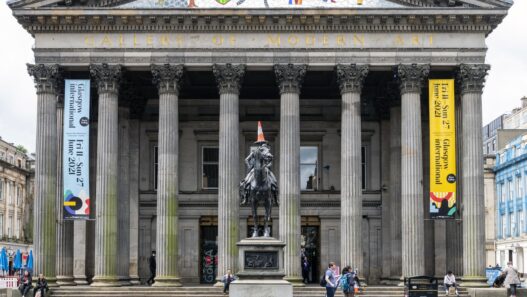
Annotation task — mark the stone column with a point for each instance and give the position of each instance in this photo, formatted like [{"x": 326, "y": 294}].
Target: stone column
[
  {"x": 350, "y": 79},
  {"x": 410, "y": 83},
  {"x": 167, "y": 78},
  {"x": 289, "y": 79},
  {"x": 123, "y": 200},
  {"x": 79, "y": 252},
  {"x": 472, "y": 79},
  {"x": 395, "y": 191},
  {"x": 229, "y": 79},
  {"x": 46, "y": 82},
  {"x": 134, "y": 201},
  {"x": 64, "y": 227},
  {"x": 106, "y": 247}
]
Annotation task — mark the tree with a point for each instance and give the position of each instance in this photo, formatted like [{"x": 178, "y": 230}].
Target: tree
[{"x": 21, "y": 149}]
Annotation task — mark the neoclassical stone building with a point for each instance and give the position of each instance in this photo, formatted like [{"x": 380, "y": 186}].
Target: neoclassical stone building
[{"x": 177, "y": 89}]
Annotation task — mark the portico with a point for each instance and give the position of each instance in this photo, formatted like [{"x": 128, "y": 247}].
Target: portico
[{"x": 176, "y": 95}]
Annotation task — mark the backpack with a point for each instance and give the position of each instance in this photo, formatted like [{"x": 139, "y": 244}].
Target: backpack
[
  {"x": 347, "y": 283},
  {"x": 323, "y": 282}
]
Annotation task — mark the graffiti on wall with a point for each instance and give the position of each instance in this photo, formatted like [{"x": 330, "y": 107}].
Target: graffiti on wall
[{"x": 261, "y": 4}]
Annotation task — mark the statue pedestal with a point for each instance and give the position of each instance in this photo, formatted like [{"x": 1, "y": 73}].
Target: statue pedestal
[{"x": 261, "y": 269}]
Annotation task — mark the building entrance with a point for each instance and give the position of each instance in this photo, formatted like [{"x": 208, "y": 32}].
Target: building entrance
[
  {"x": 208, "y": 249},
  {"x": 311, "y": 248}
]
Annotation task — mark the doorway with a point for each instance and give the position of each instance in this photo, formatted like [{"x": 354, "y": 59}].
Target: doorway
[
  {"x": 208, "y": 249},
  {"x": 310, "y": 244}
]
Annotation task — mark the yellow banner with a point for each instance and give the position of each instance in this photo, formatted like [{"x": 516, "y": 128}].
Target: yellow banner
[{"x": 442, "y": 149}]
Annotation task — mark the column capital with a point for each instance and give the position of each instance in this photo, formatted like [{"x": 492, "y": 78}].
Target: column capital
[
  {"x": 290, "y": 77},
  {"x": 411, "y": 76},
  {"x": 46, "y": 77},
  {"x": 471, "y": 77},
  {"x": 107, "y": 77},
  {"x": 229, "y": 77},
  {"x": 167, "y": 77},
  {"x": 351, "y": 77}
]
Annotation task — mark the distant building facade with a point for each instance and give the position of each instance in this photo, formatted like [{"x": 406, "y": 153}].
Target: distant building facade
[
  {"x": 16, "y": 197},
  {"x": 518, "y": 117},
  {"x": 490, "y": 135},
  {"x": 511, "y": 197}
]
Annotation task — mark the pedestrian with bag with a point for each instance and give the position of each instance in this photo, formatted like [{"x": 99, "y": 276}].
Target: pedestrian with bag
[
  {"x": 347, "y": 282},
  {"x": 450, "y": 282},
  {"x": 330, "y": 281},
  {"x": 511, "y": 279},
  {"x": 227, "y": 279}
]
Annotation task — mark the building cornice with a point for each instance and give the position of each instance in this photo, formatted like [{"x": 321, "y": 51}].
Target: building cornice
[{"x": 57, "y": 20}]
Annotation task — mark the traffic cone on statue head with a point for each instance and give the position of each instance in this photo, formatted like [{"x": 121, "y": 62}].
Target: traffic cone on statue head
[{"x": 261, "y": 138}]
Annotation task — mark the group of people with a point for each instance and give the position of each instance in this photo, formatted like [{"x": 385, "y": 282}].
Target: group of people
[
  {"x": 26, "y": 284},
  {"x": 348, "y": 281}
]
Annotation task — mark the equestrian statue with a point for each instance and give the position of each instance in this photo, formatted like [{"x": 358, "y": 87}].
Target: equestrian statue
[{"x": 259, "y": 186}]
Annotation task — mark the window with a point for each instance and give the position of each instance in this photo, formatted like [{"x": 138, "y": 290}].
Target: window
[
  {"x": 494, "y": 145},
  {"x": 156, "y": 166},
  {"x": 363, "y": 166},
  {"x": 11, "y": 159},
  {"x": 1, "y": 189},
  {"x": 1, "y": 225},
  {"x": 2, "y": 156},
  {"x": 18, "y": 195},
  {"x": 209, "y": 162},
  {"x": 308, "y": 168},
  {"x": 17, "y": 229},
  {"x": 10, "y": 227}
]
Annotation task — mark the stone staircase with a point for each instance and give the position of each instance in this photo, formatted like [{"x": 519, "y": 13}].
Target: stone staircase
[{"x": 209, "y": 291}]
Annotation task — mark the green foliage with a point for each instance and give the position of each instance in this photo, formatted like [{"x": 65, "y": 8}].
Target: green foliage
[{"x": 21, "y": 149}]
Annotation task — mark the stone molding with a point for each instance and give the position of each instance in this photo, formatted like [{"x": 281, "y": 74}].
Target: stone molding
[
  {"x": 108, "y": 77},
  {"x": 311, "y": 20},
  {"x": 351, "y": 77},
  {"x": 229, "y": 77},
  {"x": 46, "y": 77},
  {"x": 290, "y": 77},
  {"x": 471, "y": 77},
  {"x": 410, "y": 77},
  {"x": 167, "y": 78}
]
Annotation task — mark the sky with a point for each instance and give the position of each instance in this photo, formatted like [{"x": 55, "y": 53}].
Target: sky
[{"x": 506, "y": 82}]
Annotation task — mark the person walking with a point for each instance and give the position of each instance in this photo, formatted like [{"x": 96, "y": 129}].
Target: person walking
[
  {"x": 42, "y": 286},
  {"x": 331, "y": 280},
  {"x": 305, "y": 270},
  {"x": 228, "y": 278},
  {"x": 511, "y": 279},
  {"x": 347, "y": 282},
  {"x": 152, "y": 264},
  {"x": 450, "y": 282}
]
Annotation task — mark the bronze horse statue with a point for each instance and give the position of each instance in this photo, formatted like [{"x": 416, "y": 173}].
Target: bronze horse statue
[{"x": 260, "y": 186}]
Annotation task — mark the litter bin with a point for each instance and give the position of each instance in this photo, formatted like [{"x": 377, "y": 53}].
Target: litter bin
[{"x": 420, "y": 286}]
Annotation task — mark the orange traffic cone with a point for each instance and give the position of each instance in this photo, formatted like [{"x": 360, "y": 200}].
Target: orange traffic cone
[{"x": 261, "y": 137}]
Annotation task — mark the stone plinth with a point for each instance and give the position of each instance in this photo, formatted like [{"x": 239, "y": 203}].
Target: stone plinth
[{"x": 261, "y": 269}]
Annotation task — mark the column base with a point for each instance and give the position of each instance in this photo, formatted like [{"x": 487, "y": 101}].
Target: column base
[
  {"x": 218, "y": 284},
  {"x": 64, "y": 281},
  {"x": 134, "y": 280},
  {"x": 295, "y": 281},
  {"x": 167, "y": 281},
  {"x": 474, "y": 282},
  {"x": 80, "y": 280},
  {"x": 105, "y": 281},
  {"x": 52, "y": 281},
  {"x": 124, "y": 281}
]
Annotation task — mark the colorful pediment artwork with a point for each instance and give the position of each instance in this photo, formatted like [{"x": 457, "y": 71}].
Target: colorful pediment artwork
[{"x": 261, "y": 4}]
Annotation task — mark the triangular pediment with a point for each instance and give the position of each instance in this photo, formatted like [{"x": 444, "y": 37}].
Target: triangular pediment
[{"x": 285, "y": 4}]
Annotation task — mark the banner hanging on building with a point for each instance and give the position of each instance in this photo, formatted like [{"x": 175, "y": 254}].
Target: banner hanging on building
[
  {"x": 443, "y": 175},
  {"x": 76, "y": 151}
]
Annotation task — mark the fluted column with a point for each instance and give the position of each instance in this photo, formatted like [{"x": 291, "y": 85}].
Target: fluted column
[
  {"x": 229, "y": 79},
  {"x": 410, "y": 83},
  {"x": 106, "y": 248},
  {"x": 395, "y": 191},
  {"x": 167, "y": 78},
  {"x": 46, "y": 82},
  {"x": 350, "y": 79},
  {"x": 123, "y": 200},
  {"x": 472, "y": 79},
  {"x": 134, "y": 140},
  {"x": 64, "y": 227},
  {"x": 289, "y": 79}
]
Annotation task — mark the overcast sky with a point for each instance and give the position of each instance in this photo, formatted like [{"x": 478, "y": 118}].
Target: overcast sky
[{"x": 506, "y": 83}]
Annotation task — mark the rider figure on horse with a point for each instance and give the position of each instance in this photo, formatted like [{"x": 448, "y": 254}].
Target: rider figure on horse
[{"x": 265, "y": 152}]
